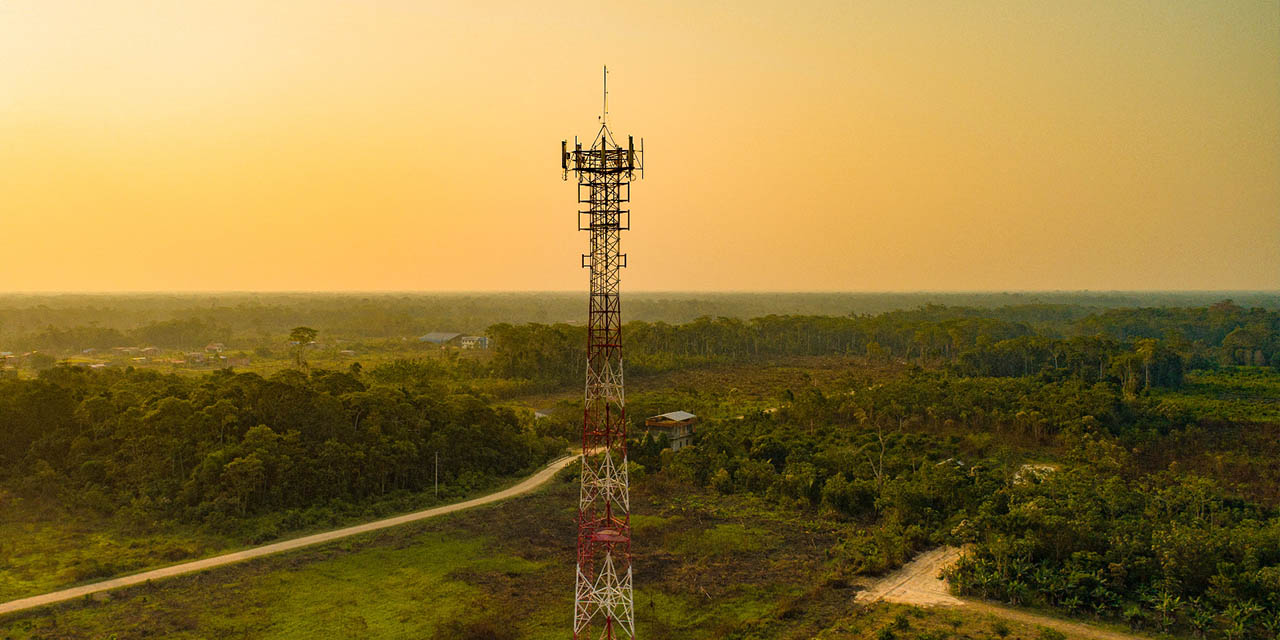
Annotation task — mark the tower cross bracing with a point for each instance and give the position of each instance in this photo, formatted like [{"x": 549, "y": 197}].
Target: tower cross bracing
[{"x": 603, "y": 604}]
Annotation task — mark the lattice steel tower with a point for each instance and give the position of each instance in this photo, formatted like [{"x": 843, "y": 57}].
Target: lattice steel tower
[{"x": 602, "y": 596}]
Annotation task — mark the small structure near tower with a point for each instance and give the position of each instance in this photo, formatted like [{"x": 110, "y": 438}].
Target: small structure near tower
[
  {"x": 474, "y": 342},
  {"x": 676, "y": 425}
]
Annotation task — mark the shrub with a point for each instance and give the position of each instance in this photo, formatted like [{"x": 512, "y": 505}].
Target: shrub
[
  {"x": 901, "y": 622},
  {"x": 1050, "y": 634},
  {"x": 722, "y": 481},
  {"x": 1000, "y": 628}
]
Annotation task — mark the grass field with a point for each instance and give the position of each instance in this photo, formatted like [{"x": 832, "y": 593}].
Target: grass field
[
  {"x": 707, "y": 567},
  {"x": 43, "y": 549},
  {"x": 474, "y": 570},
  {"x": 44, "y": 555}
]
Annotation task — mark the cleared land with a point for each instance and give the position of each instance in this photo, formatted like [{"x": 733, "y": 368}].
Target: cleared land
[
  {"x": 710, "y": 567},
  {"x": 527, "y": 485}
]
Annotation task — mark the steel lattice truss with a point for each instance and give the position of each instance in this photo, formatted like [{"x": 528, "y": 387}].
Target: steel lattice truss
[{"x": 602, "y": 598}]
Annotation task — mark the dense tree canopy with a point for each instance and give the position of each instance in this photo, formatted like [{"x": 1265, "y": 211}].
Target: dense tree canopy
[
  {"x": 930, "y": 458},
  {"x": 227, "y": 445}
]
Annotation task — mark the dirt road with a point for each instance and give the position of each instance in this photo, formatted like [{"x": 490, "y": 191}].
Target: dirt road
[
  {"x": 920, "y": 583},
  {"x": 528, "y": 484}
]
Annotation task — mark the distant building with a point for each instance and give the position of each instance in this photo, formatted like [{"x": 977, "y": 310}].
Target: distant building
[
  {"x": 347, "y": 352},
  {"x": 216, "y": 347},
  {"x": 677, "y": 425},
  {"x": 439, "y": 337},
  {"x": 475, "y": 342}
]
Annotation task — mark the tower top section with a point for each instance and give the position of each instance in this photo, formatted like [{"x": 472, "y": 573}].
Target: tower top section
[{"x": 604, "y": 154}]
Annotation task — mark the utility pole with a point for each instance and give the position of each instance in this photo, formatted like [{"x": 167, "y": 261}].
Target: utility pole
[{"x": 603, "y": 607}]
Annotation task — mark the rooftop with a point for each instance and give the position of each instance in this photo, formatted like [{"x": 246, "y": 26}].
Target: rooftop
[
  {"x": 439, "y": 336},
  {"x": 675, "y": 416}
]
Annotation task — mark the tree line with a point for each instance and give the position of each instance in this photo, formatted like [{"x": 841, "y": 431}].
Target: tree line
[
  {"x": 222, "y": 448},
  {"x": 250, "y": 320},
  {"x": 1136, "y": 348}
]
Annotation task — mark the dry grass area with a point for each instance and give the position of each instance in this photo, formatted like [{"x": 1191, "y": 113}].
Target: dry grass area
[{"x": 708, "y": 566}]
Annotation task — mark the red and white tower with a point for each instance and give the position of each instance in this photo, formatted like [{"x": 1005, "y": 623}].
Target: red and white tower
[{"x": 602, "y": 596}]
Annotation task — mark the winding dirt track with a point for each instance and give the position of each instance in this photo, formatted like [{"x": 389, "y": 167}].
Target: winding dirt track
[
  {"x": 920, "y": 583},
  {"x": 528, "y": 484}
]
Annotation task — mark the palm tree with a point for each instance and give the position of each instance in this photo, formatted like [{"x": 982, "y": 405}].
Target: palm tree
[
  {"x": 1073, "y": 603},
  {"x": 1238, "y": 615},
  {"x": 1167, "y": 605},
  {"x": 1133, "y": 615},
  {"x": 1199, "y": 617},
  {"x": 1043, "y": 579},
  {"x": 1017, "y": 592}
]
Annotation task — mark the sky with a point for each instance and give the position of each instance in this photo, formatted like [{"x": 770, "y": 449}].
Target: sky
[{"x": 808, "y": 146}]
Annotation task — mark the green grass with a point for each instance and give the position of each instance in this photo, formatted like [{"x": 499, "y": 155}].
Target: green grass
[
  {"x": 722, "y": 540},
  {"x": 389, "y": 586},
  {"x": 708, "y": 566},
  {"x": 408, "y": 589},
  {"x": 43, "y": 548},
  {"x": 37, "y": 556},
  {"x": 511, "y": 561}
]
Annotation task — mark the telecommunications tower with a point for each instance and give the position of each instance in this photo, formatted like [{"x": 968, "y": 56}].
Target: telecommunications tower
[{"x": 602, "y": 595}]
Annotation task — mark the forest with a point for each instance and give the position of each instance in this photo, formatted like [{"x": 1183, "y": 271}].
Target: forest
[
  {"x": 220, "y": 449},
  {"x": 1116, "y": 463},
  {"x": 1061, "y": 489},
  {"x": 1137, "y": 348}
]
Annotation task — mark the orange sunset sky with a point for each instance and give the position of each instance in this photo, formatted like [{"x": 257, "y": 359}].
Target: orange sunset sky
[{"x": 362, "y": 145}]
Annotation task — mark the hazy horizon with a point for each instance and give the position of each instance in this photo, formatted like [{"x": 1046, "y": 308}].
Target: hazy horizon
[{"x": 142, "y": 292}]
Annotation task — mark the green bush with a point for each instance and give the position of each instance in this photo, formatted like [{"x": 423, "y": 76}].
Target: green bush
[{"x": 1045, "y": 633}]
